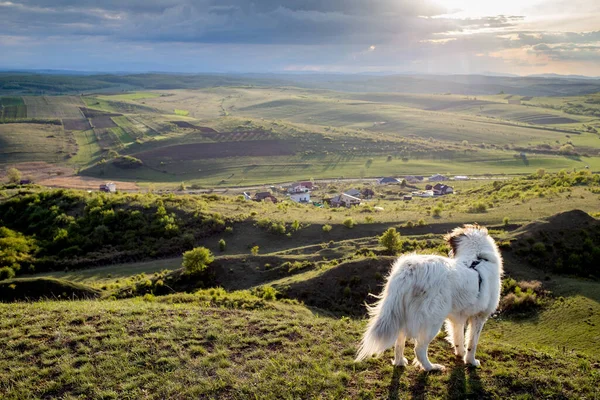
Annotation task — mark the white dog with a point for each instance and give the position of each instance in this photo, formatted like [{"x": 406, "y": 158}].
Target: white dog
[{"x": 424, "y": 290}]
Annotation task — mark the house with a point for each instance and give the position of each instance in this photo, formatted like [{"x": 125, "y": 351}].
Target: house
[
  {"x": 461, "y": 178},
  {"x": 265, "y": 196},
  {"x": 423, "y": 193},
  {"x": 428, "y": 187},
  {"x": 300, "y": 187},
  {"x": 367, "y": 193},
  {"x": 303, "y": 197},
  {"x": 108, "y": 187},
  {"x": 388, "y": 180},
  {"x": 440, "y": 189},
  {"x": 437, "y": 178},
  {"x": 353, "y": 192},
  {"x": 413, "y": 178},
  {"x": 344, "y": 200}
]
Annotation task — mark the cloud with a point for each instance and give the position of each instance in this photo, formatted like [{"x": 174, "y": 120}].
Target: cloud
[{"x": 349, "y": 35}]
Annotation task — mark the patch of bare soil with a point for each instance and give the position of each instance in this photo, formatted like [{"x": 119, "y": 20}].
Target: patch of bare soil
[
  {"x": 76, "y": 124},
  {"x": 198, "y": 151}
]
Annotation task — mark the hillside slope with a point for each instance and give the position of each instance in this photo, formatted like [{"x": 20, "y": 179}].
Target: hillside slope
[{"x": 236, "y": 346}]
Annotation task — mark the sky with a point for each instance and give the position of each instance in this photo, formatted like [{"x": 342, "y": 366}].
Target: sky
[{"x": 332, "y": 36}]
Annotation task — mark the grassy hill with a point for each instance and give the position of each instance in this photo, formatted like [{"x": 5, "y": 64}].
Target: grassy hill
[{"x": 214, "y": 344}]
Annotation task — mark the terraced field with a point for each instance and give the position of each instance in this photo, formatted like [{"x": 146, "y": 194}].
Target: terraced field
[
  {"x": 53, "y": 107},
  {"x": 12, "y": 107}
]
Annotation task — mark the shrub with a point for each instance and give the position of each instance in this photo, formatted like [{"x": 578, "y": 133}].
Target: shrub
[
  {"x": 254, "y": 250},
  {"x": 437, "y": 211},
  {"x": 197, "y": 260},
  {"x": 390, "y": 240},
  {"x": 521, "y": 297},
  {"x": 222, "y": 245},
  {"x": 327, "y": 228},
  {"x": 539, "y": 248},
  {"x": 14, "y": 175},
  {"x": 265, "y": 292},
  {"x": 128, "y": 162},
  {"x": 349, "y": 223},
  {"x": 505, "y": 221},
  {"x": 478, "y": 207},
  {"x": 421, "y": 222},
  {"x": 6, "y": 273}
]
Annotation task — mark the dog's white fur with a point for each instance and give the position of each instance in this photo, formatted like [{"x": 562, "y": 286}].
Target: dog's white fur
[{"x": 424, "y": 290}]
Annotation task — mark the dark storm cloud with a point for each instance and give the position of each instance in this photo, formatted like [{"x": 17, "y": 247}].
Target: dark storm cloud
[{"x": 232, "y": 21}]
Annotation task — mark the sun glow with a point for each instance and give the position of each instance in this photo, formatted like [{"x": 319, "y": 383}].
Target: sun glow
[{"x": 483, "y": 8}]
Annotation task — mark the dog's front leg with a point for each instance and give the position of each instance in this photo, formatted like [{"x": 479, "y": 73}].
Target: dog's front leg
[
  {"x": 475, "y": 326},
  {"x": 400, "y": 360}
]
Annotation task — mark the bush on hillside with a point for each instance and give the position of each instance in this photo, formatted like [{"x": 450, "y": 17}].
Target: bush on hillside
[
  {"x": 521, "y": 297},
  {"x": 127, "y": 162},
  {"x": 197, "y": 260},
  {"x": 390, "y": 240},
  {"x": 349, "y": 223}
]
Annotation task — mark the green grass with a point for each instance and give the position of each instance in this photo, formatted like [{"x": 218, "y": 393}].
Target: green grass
[
  {"x": 12, "y": 107},
  {"x": 34, "y": 142},
  {"x": 88, "y": 149},
  {"x": 184, "y": 113},
  {"x": 130, "y": 96},
  {"x": 185, "y": 346},
  {"x": 102, "y": 276}
]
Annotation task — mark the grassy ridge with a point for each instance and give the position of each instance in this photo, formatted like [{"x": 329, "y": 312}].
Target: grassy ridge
[{"x": 249, "y": 347}]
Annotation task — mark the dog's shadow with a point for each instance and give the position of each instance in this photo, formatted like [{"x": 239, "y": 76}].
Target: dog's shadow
[
  {"x": 459, "y": 386},
  {"x": 464, "y": 383}
]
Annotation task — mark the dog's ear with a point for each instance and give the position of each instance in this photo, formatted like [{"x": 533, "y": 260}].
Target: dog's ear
[{"x": 454, "y": 238}]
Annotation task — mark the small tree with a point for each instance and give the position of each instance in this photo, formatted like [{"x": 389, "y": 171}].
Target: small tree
[
  {"x": 14, "y": 175},
  {"x": 349, "y": 223},
  {"x": 295, "y": 225},
  {"x": 254, "y": 250},
  {"x": 222, "y": 245},
  {"x": 390, "y": 240},
  {"x": 197, "y": 260},
  {"x": 505, "y": 221},
  {"x": 326, "y": 228}
]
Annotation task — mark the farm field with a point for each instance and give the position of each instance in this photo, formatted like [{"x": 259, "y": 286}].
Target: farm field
[{"x": 34, "y": 142}]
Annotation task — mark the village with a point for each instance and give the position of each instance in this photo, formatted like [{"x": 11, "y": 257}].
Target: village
[{"x": 303, "y": 191}]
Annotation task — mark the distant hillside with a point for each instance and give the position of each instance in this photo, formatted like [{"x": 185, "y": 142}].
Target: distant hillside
[{"x": 30, "y": 83}]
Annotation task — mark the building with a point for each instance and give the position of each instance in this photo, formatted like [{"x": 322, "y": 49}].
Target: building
[
  {"x": 108, "y": 187},
  {"x": 300, "y": 187},
  {"x": 344, "y": 200},
  {"x": 303, "y": 197},
  {"x": 262, "y": 196},
  {"x": 423, "y": 193},
  {"x": 413, "y": 178},
  {"x": 353, "y": 192},
  {"x": 437, "y": 178},
  {"x": 367, "y": 193},
  {"x": 440, "y": 189},
  {"x": 388, "y": 180}
]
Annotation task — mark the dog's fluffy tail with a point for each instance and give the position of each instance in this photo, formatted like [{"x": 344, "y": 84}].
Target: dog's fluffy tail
[{"x": 385, "y": 323}]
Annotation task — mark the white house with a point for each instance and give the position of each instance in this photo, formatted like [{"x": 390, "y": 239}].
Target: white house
[
  {"x": 109, "y": 187},
  {"x": 303, "y": 197}
]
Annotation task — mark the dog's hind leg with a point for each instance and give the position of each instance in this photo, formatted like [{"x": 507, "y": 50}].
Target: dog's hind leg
[
  {"x": 421, "y": 346},
  {"x": 399, "y": 359},
  {"x": 475, "y": 326}
]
